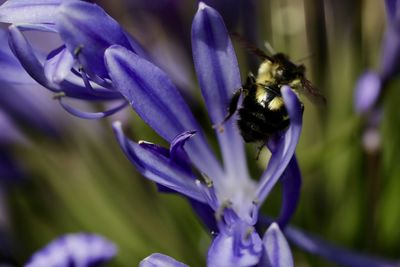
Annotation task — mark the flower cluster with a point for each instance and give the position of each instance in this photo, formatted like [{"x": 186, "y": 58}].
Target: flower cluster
[
  {"x": 225, "y": 196},
  {"x": 98, "y": 60},
  {"x": 75, "y": 68}
]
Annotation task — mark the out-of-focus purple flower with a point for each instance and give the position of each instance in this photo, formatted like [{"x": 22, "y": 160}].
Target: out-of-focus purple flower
[
  {"x": 367, "y": 92},
  {"x": 160, "y": 260},
  {"x": 338, "y": 255},
  {"x": 9, "y": 133},
  {"x": 10, "y": 171},
  {"x": 370, "y": 85},
  {"x": 315, "y": 245},
  {"x": 24, "y": 100},
  {"x": 75, "y": 68},
  {"x": 234, "y": 198},
  {"x": 74, "y": 250}
]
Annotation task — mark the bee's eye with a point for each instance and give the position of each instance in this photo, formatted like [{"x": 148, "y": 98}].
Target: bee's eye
[{"x": 279, "y": 72}]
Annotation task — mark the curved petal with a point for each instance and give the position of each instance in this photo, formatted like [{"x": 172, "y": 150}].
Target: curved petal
[
  {"x": 219, "y": 77},
  {"x": 367, "y": 91},
  {"x": 82, "y": 250},
  {"x": 225, "y": 250},
  {"x": 335, "y": 254},
  {"x": 160, "y": 260},
  {"x": 11, "y": 70},
  {"x": 58, "y": 65},
  {"x": 177, "y": 152},
  {"x": 38, "y": 27},
  {"x": 286, "y": 146},
  {"x": 158, "y": 168},
  {"x": 276, "y": 249},
  {"x": 26, "y": 56},
  {"x": 28, "y": 11},
  {"x": 24, "y": 52},
  {"x": 91, "y": 115},
  {"x": 158, "y": 102},
  {"x": 291, "y": 184},
  {"x": 88, "y": 31}
]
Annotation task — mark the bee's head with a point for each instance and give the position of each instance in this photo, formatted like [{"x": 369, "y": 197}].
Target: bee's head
[{"x": 286, "y": 70}]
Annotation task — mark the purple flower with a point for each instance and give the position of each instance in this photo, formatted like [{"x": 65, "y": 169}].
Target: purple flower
[
  {"x": 273, "y": 251},
  {"x": 74, "y": 250},
  {"x": 160, "y": 260},
  {"x": 74, "y": 68},
  {"x": 10, "y": 133},
  {"x": 23, "y": 99},
  {"x": 224, "y": 195},
  {"x": 225, "y": 189},
  {"x": 338, "y": 255},
  {"x": 370, "y": 85}
]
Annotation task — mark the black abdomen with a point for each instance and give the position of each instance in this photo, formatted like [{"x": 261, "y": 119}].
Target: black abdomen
[{"x": 257, "y": 123}]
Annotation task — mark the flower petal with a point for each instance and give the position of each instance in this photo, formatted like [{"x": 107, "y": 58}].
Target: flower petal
[
  {"x": 391, "y": 9},
  {"x": 158, "y": 168},
  {"x": 11, "y": 70},
  {"x": 160, "y": 260},
  {"x": 87, "y": 26},
  {"x": 157, "y": 101},
  {"x": 177, "y": 153},
  {"x": 219, "y": 77},
  {"x": 58, "y": 65},
  {"x": 91, "y": 115},
  {"x": 226, "y": 251},
  {"x": 24, "y": 52},
  {"x": 340, "y": 256},
  {"x": 286, "y": 146},
  {"x": 389, "y": 64},
  {"x": 9, "y": 133},
  {"x": 276, "y": 249},
  {"x": 29, "y": 61},
  {"x": 82, "y": 250},
  {"x": 367, "y": 91},
  {"x": 28, "y": 11},
  {"x": 291, "y": 183},
  {"x": 206, "y": 215}
]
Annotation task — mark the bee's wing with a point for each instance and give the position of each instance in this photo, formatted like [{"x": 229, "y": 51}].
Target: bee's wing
[
  {"x": 250, "y": 46},
  {"x": 312, "y": 93}
]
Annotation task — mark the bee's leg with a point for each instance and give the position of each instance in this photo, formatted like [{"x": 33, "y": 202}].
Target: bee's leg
[
  {"x": 250, "y": 81},
  {"x": 231, "y": 110}
]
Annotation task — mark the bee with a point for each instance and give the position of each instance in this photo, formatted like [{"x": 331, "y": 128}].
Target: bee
[{"x": 263, "y": 112}]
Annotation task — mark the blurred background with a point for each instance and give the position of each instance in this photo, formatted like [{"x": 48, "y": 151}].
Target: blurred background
[{"x": 75, "y": 177}]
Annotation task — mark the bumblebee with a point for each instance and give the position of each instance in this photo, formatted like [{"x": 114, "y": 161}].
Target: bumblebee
[{"x": 263, "y": 112}]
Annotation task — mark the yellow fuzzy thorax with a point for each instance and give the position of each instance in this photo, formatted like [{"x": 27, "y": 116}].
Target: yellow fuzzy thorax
[
  {"x": 266, "y": 76},
  {"x": 267, "y": 72}
]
